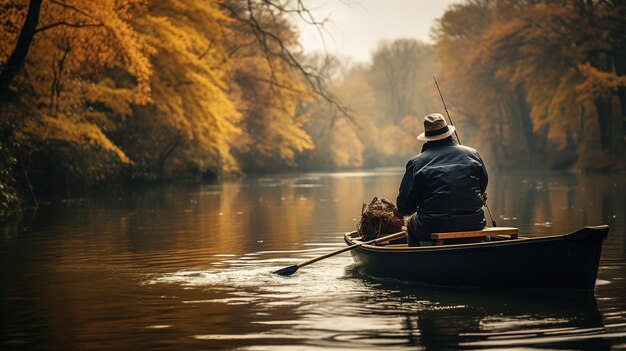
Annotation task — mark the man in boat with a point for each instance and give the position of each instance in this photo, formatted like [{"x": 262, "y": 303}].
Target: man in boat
[{"x": 443, "y": 186}]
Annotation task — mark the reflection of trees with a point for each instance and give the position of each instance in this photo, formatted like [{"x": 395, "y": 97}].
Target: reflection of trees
[
  {"x": 285, "y": 213},
  {"x": 94, "y": 251},
  {"x": 567, "y": 201}
]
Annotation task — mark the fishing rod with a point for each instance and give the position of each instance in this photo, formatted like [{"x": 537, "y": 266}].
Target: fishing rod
[
  {"x": 446, "y": 109},
  {"x": 484, "y": 196}
]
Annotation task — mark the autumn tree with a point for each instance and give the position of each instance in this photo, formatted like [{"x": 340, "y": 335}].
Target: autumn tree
[
  {"x": 271, "y": 83},
  {"x": 190, "y": 126},
  {"x": 143, "y": 89},
  {"x": 243, "y": 83},
  {"x": 56, "y": 99},
  {"x": 566, "y": 84},
  {"x": 487, "y": 108},
  {"x": 338, "y": 142},
  {"x": 550, "y": 72},
  {"x": 401, "y": 76}
]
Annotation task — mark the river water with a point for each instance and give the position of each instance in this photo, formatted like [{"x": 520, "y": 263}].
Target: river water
[{"x": 188, "y": 268}]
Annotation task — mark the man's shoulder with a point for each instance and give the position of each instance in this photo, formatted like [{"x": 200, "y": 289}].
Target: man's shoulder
[
  {"x": 428, "y": 155},
  {"x": 411, "y": 163},
  {"x": 415, "y": 159},
  {"x": 449, "y": 149},
  {"x": 468, "y": 150}
]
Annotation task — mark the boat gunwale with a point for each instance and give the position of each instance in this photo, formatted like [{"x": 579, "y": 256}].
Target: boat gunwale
[{"x": 485, "y": 244}]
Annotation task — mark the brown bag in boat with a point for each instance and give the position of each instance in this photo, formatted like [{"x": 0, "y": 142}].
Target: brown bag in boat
[{"x": 379, "y": 218}]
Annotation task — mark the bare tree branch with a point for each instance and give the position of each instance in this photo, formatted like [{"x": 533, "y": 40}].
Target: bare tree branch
[
  {"x": 73, "y": 8},
  {"x": 275, "y": 47},
  {"x": 73, "y": 25},
  {"x": 276, "y": 83}
]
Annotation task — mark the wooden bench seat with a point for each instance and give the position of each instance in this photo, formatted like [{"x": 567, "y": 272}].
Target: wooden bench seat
[{"x": 440, "y": 238}]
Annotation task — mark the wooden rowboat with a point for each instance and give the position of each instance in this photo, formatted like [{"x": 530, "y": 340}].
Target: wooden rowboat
[{"x": 568, "y": 261}]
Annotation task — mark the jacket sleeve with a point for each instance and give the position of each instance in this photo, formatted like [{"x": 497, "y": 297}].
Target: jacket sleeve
[
  {"x": 408, "y": 197},
  {"x": 484, "y": 177}
]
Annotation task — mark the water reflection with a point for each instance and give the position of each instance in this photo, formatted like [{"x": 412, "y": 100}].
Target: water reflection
[
  {"x": 188, "y": 267},
  {"x": 453, "y": 319},
  {"x": 342, "y": 308}
]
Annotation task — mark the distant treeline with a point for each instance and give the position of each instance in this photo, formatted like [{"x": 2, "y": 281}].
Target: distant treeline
[
  {"x": 531, "y": 84},
  {"x": 94, "y": 92}
]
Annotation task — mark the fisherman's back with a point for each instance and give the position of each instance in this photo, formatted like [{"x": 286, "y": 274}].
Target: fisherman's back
[
  {"x": 442, "y": 187},
  {"x": 447, "y": 181}
]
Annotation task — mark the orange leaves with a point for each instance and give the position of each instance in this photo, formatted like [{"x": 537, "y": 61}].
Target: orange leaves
[
  {"x": 11, "y": 20},
  {"x": 548, "y": 69},
  {"x": 597, "y": 83},
  {"x": 64, "y": 91},
  {"x": 98, "y": 35}
]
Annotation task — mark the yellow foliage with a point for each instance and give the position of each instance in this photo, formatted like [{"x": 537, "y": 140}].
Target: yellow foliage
[
  {"x": 346, "y": 150},
  {"x": 118, "y": 102},
  {"x": 71, "y": 129},
  {"x": 188, "y": 84},
  {"x": 183, "y": 86},
  {"x": 268, "y": 92},
  {"x": 61, "y": 87}
]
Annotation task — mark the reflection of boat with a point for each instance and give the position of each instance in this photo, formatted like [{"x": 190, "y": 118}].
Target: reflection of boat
[
  {"x": 445, "y": 318},
  {"x": 567, "y": 261}
]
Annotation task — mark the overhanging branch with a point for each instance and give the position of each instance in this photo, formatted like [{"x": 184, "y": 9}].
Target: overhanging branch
[
  {"x": 275, "y": 47},
  {"x": 68, "y": 24}
]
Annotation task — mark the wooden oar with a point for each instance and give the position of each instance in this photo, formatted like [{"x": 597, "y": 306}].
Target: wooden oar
[{"x": 292, "y": 269}]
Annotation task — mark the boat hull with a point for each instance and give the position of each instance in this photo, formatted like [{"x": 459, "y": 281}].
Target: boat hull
[{"x": 567, "y": 261}]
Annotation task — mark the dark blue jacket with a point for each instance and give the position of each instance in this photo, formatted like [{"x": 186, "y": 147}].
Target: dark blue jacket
[{"x": 444, "y": 184}]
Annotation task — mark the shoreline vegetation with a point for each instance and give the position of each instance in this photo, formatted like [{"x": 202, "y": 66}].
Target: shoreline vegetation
[{"x": 144, "y": 91}]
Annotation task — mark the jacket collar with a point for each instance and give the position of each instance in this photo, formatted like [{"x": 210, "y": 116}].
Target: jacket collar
[{"x": 443, "y": 142}]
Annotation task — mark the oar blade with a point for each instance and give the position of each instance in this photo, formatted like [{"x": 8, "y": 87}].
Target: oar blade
[{"x": 287, "y": 271}]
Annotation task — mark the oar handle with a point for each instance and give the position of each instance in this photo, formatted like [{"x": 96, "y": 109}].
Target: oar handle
[{"x": 348, "y": 248}]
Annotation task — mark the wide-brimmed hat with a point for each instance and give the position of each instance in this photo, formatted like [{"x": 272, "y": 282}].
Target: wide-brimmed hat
[{"x": 435, "y": 128}]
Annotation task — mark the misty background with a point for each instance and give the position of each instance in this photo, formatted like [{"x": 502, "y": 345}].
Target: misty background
[{"x": 99, "y": 94}]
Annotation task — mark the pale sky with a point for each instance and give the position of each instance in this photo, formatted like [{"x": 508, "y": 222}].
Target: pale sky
[{"x": 355, "y": 27}]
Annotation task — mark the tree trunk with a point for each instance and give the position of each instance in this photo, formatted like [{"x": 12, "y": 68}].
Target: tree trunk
[
  {"x": 604, "y": 112},
  {"x": 619, "y": 62},
  {"x": 604, "y": 107},
  {"x": 535, "y": 143},
  {"x": 16, "y": 60}
]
